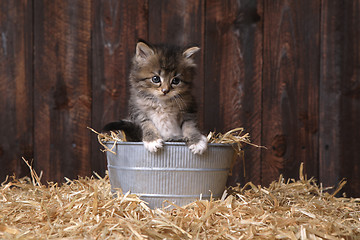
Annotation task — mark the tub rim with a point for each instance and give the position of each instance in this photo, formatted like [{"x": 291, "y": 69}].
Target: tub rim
[{"x": 167, "y": 143}]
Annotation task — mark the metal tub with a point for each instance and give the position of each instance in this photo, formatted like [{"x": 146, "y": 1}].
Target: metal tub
[{"x": 173, "y": 173}]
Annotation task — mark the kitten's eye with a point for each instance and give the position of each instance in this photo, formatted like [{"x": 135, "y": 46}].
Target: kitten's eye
[
  {"x": 175, "y": 81},
  {"x": 155, "y": 79}
]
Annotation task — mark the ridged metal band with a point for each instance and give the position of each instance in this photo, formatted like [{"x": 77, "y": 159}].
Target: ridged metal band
[
  {"x": 175, "y": 196},
  {"x": 170, "y": 169}
]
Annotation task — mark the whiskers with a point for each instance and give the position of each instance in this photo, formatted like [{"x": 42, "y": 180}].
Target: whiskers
[{"x": 179, "y": 101}]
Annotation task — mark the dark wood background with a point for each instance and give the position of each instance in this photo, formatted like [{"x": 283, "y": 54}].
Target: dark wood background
[{"x": 286, "y": 71}]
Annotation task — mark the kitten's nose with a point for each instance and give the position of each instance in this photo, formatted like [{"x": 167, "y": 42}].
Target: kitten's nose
[{"x": 165, "y": 90}]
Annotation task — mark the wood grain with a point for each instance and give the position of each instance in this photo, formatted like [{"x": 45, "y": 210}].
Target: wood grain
[
  {"x": 233, "y": 76},
  {"x": 340, "y": 95},
  {"x": 16, "y": 113},
  {"x": 176, "y": 22},
  {"x": 290, "y": 88},
  {"x": 62, "y": 86},
  {"x": 117, "y": 27}
]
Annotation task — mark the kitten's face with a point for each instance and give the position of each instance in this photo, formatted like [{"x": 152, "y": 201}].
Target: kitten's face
[{"x": 163, "y": 72}]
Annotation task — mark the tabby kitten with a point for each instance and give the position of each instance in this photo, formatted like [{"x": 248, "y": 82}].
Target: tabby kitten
[{"x": 161, "y": 105}]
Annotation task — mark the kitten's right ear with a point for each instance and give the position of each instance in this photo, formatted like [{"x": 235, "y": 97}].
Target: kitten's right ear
[{"x": 143, "y": 51}]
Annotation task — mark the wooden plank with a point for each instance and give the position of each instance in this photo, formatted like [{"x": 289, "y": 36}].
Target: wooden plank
[
  {"x": 117, "y": 26},
  {"x": 329, "y": 150},
  {"x": 181, "y": 23},
  {"x": 62, "y": 88},
  {"x": 16, "y": 125},
  {"x": 350, "y": 102},
  {"x": 233, "y": 69},
  {"x": 176, "y": 22},
  {"x": 290, "y": 88},
  {"x": 339, "y": 95}
]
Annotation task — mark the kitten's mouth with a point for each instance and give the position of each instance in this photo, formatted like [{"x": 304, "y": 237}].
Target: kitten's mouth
[{"x": 165, "y": 95}]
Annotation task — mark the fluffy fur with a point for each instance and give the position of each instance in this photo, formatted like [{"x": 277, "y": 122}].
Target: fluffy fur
[{"x": 161, "y": 105}]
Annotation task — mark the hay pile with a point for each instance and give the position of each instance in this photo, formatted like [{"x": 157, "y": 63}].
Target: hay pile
[{"x": 86, "y": 209}]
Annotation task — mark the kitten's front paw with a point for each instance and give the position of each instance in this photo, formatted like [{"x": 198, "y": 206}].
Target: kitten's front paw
[
  {"x": 153, "y": 146},
  {"x": 199, "y": 147}
]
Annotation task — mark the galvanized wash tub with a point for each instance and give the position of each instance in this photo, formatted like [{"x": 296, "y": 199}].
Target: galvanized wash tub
[{"x": 173, "y": 173}]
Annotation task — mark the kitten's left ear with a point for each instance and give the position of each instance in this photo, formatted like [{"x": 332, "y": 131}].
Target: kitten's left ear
[{"x": 190, "y": 51}]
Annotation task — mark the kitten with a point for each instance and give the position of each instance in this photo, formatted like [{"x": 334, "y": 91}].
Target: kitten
[{"x": 161, "y": 105}]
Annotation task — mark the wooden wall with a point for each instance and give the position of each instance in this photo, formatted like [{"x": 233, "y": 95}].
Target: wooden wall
[{"x": 287, "y": 71}]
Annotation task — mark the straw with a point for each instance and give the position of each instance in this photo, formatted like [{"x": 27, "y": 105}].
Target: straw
[
  {"x": 115, "y": 136},
  {"x": 236, "y": 137},
  {"x": 85, "y": 208}
]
